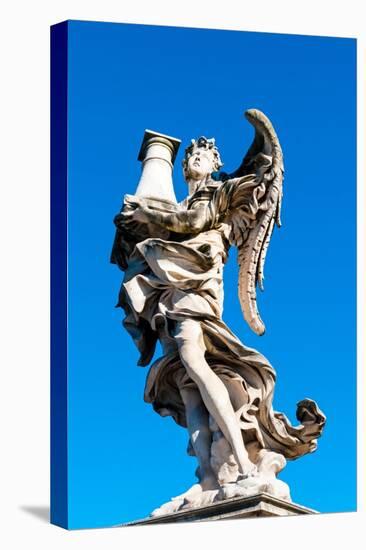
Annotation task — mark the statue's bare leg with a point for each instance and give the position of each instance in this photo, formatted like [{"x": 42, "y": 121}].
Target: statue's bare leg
[
  {"x": 200, "y": 435},
  {"x": 205, "y": 491},
  {"x": 214, "y": 394}
]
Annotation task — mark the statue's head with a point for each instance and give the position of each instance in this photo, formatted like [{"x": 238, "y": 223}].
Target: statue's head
[{"x": 202, "y": 157}]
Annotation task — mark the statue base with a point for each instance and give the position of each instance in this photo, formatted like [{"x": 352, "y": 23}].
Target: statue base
[{"x": 260, "y": 505}]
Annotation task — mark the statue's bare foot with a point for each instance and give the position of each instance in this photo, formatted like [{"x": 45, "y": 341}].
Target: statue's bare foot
[
  {"x": 177, "y": 502},
  {"x": 199, "y": 494},
  {"x": 167, "y": 508},
  {"x": 203, "y": 499},
  {"x": 196, "y": 489},
  {"x": 207, "y": 483},
  {"x": 209, "y": 489}
]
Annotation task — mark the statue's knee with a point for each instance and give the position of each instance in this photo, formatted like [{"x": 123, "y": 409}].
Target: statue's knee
[
  {"x": 189, "y": 337},
  {"x": 191, "y": 353},
  {"x": 194, "y": 371},
  {"x": 194, "y": 363}
]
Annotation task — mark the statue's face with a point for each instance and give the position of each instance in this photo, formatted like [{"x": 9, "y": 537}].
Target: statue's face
[{"x": 200, "y": 164}]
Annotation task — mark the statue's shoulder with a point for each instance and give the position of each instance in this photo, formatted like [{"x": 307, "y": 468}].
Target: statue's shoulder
[{"x": 204, "y": 194}]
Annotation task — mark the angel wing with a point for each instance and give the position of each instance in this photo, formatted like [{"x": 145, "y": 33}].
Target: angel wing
[{"x": 253, "y": 216}]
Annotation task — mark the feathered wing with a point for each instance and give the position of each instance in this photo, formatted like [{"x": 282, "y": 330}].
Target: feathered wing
[{"x": 253, "y": 214}]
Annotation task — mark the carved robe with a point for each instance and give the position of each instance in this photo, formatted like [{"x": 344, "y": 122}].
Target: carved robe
[{"x": 168, "y": 280}]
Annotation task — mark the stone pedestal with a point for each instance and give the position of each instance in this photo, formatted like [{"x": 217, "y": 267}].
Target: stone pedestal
[{"x": 260, "y": 505}]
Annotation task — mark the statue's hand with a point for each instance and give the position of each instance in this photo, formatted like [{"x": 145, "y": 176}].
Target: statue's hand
[{"x": 138, "y": 215}]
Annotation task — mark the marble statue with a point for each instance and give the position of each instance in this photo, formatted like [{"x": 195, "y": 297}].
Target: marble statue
[{"x": 173, "y": 257}]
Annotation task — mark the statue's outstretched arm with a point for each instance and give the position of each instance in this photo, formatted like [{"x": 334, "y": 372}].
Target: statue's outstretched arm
[{"x": 190, "y": 221}]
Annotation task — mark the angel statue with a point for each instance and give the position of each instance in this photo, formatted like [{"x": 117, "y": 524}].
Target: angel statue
[{"x": 173, "y": 256}]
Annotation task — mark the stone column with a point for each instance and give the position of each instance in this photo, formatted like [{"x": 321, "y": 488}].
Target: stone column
[{"x": 157, "y": 155}]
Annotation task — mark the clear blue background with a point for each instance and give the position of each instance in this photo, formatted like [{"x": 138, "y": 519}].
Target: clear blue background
[{"x": 124, "y": 459}]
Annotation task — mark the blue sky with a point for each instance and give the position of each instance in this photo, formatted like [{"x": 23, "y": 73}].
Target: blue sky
[{"x": 124, "y": 459}]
